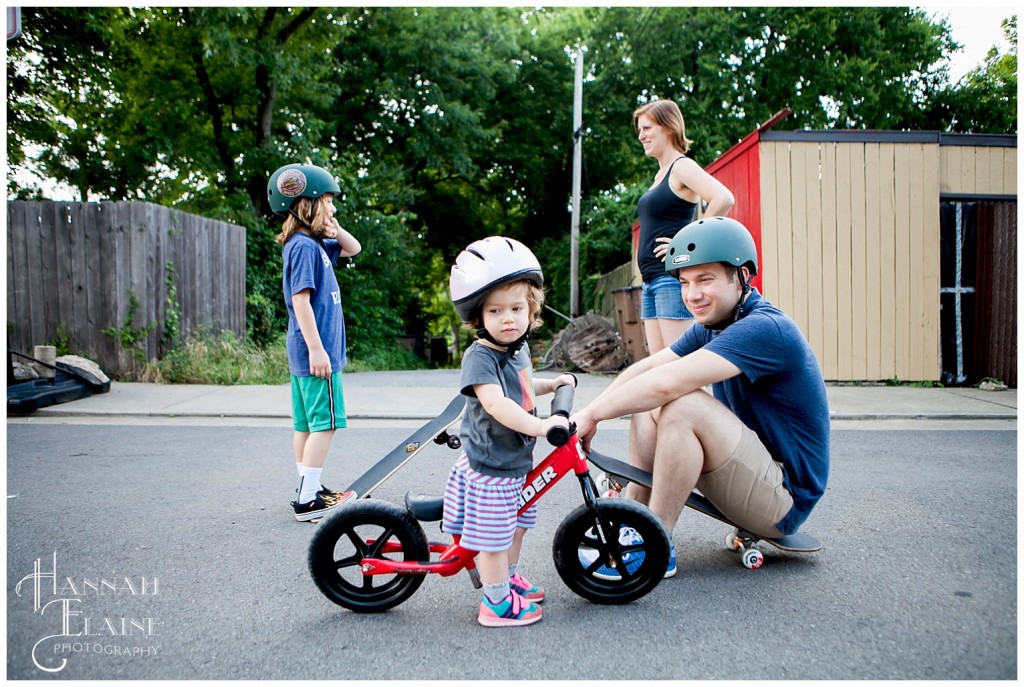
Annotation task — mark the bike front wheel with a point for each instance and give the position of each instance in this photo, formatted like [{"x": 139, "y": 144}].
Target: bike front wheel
[
  {"x": 627, "y": 563},
  {"x": 366, "y": 529}
]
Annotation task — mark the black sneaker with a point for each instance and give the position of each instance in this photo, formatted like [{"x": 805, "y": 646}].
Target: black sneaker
[
  {"x": 329, "y": 494},
  {"x": 334, "y": 497},
  {"x": 315, "y": 509}
]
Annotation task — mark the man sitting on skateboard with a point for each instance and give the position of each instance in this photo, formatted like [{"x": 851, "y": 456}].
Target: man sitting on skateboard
[{"x": 759, "y": 448}]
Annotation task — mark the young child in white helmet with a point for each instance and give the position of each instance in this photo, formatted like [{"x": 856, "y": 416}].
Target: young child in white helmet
[{"x": 496, "y": 286}]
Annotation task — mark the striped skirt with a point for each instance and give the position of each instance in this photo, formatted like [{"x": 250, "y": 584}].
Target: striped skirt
[{"x": 484, "y": 509}]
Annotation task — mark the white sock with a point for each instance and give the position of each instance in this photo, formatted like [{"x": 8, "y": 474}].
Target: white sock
[
  {"x": 309, "y": 483},
  {"x": 298, "y": 468},
  {"x": 496, "y": 593}
]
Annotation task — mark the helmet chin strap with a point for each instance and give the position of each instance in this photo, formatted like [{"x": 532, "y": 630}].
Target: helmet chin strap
[{"x": 510, "y": 348}]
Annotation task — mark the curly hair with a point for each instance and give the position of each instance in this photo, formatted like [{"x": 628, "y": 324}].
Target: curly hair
[{"x": 534, "y": 301}]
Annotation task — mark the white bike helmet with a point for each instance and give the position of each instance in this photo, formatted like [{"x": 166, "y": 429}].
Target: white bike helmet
[{"x": 486, "y": 264}]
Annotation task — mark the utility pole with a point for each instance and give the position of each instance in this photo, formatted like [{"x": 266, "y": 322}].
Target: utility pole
[{"x": 577, "y": 160}]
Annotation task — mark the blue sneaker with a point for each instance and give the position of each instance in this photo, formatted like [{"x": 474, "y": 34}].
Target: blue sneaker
[
  {"x": 632, "y": 559},
  {"x": 671, "y": 570}
]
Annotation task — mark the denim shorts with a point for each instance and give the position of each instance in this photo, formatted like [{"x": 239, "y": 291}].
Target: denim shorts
[{"x": 663, "y": 299}]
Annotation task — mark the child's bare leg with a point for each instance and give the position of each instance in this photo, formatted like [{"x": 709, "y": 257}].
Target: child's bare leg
[
  {"x": 310, "y": 453},
  {"x": 315, "y": 447},
  {"x": 493, "y": 566},
  {"x": 299, "y": 446},
  {"x": 517, "y": 546}
]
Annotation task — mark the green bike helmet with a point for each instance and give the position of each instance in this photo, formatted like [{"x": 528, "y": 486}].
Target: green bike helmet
[
  {"x": 712, "y": 239},
  {"x": 298, "y": 181}
]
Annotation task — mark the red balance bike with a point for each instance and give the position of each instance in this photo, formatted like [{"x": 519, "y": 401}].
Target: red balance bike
[{"x": 369, "y": 555}]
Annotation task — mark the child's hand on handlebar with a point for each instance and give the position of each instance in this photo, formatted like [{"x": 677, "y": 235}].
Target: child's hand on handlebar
[
  {"x": 556, "y": 430},
  {"x": 553, "y": 421},
  {"x": 564, "y": 379}
]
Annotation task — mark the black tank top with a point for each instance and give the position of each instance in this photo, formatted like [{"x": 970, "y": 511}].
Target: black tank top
[{"x": 662, "y": 213}]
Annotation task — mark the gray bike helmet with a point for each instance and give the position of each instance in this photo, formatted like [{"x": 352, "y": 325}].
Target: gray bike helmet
[
  {"x": 295, "y": 181},
  {"x": 485, "y": 265},
  {"x": 712, "y": 239}
]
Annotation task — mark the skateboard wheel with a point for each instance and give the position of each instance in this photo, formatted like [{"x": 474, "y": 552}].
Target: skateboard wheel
[
  {"x": 752, "y": 559},
  {"x": 454, "y": 442},
  {"x": 732, "y": 541}
]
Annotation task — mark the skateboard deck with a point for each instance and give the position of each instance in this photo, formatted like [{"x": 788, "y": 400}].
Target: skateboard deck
[
  {"x": 387, "y": 466},
  {"x": 798, "y": 543}
]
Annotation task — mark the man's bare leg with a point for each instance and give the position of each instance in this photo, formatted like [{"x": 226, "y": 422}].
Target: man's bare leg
[
  {"x": 695, "y": 434},
  {"x": 643, "y": 439}
]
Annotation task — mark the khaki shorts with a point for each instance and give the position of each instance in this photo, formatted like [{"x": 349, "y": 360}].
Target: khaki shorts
[{"x": 749, "y": 488}]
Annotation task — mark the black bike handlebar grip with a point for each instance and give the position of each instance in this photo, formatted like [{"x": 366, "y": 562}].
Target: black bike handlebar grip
[
  {"x": 558, "y": 436},
  {"x": 561, "y": 404}
]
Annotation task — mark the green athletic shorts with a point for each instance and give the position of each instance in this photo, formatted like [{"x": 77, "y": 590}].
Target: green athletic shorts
[{"x": 318, "y": 404}]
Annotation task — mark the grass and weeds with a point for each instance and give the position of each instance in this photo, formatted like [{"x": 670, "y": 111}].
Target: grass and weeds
[
  {"x": 223, "y": 358},
  {"x": 206, "y": 358},
  {"x": 391, "y": 358}
]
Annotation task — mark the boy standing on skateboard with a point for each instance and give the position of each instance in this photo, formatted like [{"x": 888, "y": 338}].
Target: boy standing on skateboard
[
  {"x": 311, "y": 243},
  {"x": 496, "y": 286},
  {"x": 759, "y": 448}
]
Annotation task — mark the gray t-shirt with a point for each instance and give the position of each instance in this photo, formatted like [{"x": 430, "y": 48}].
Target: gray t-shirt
[{"x": 492, "y": 448}]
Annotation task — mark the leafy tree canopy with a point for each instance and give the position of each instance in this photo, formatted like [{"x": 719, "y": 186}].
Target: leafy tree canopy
[{"x": 445, "y": 124}]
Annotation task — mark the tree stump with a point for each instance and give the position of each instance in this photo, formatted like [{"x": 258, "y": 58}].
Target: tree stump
[{"x": 592, "y": 344}]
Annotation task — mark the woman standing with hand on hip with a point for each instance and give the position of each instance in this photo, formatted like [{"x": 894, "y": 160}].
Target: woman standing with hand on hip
[{"x": 668, "y": 206}]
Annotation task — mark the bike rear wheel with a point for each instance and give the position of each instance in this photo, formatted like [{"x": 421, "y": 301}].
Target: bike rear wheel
[
  {"x": 611, "y": 572},
  {"x": 360, "y": 530}
]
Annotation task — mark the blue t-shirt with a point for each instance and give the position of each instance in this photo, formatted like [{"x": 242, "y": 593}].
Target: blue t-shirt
[
  {"x": 492, "y": 448},
  {"x": 309, "y": 264},
  {"x": 780, "y": 394}
]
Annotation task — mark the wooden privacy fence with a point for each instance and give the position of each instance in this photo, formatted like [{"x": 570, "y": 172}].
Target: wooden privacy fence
[
  {"x": 74, "y": 269},
  {"x": 853, "y": 253}
]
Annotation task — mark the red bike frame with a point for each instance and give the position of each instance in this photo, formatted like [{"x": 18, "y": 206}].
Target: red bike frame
[{"x": 453, "y": 558}]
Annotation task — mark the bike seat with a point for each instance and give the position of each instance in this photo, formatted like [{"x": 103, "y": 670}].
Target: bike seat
[{"x": 425, "y": 508}]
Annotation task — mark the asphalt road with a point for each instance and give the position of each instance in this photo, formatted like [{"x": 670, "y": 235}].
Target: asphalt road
[{"x": 178, "y": 548}]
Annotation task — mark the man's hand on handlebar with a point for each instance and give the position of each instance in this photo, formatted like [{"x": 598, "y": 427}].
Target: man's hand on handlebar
[{"x": 586, "y": 428}]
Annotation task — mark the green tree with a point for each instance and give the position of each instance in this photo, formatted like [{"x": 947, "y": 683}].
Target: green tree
[
  {"x": 732, "y": 68},
  {"x": 65, "y": 86},
  {"x": 444, "y": 124},
  {"x": 985, "y": 101}
]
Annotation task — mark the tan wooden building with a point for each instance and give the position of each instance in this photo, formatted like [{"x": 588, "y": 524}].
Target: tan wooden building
[{"x": 895, "y": 252}]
